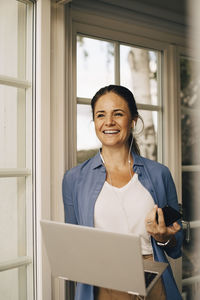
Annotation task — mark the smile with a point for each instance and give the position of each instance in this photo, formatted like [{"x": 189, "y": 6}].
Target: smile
[{"x": 111, "y": 131}]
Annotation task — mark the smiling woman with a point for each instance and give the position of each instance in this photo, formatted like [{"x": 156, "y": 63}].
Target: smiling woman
[
  {"x": 113, "y": 125},
  {"x": 117, "y": 190},
  {"x": 112, "y": 120},
  {"x": 115, "y": 116}
]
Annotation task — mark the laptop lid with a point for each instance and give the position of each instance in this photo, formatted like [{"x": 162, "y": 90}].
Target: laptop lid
[{"x": 97, "y": 257}]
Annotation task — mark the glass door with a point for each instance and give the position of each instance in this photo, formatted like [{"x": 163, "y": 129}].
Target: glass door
[
  {"x": 190, "y": 131},
  {"x": 16, "y": 184}
]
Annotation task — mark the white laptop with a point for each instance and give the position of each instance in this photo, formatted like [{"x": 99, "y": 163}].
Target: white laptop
[{"x": 99, "y": 258}]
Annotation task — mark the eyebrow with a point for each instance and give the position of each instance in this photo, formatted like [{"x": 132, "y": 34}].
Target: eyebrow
[{"x": 117, "y": 109}]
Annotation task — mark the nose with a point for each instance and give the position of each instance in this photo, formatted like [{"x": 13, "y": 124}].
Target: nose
[{"x": 109, "y": 120}]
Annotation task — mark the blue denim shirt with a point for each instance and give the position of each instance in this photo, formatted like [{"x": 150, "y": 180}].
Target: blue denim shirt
[{"x": 81, "y": 187}]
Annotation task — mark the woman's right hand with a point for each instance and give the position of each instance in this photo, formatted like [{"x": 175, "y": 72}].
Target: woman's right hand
[{"x": 158, "y": 230}]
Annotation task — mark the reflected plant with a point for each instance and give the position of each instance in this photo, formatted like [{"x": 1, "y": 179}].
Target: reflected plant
[
  {"x": 80, "y": 41},
  {"x": 190, "y": 83},
  {"x": 139, "y": 63},
  {"x": 109, "y": 49},
  {"x": 190, "y": 104},
  {"x": 189, "y": 97},
  {"x": 110, "y": 52}
]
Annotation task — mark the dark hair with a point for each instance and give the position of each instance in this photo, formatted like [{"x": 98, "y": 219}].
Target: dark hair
[{"x": 127, "y": 95}]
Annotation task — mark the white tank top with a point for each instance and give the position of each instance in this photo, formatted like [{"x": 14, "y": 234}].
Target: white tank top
[{"x": 124, "y": 209}]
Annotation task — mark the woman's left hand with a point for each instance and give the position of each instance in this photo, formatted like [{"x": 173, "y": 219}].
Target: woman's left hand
[{"x": 159, "y": 231}]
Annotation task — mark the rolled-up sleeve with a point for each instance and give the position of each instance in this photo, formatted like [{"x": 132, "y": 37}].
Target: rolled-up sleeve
[{"x": 67, "y": 192}]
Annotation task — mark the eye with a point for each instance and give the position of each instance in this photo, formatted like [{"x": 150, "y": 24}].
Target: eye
[
  {"x": 100, "y": 116},
  {"x": 118, "y": 114}
]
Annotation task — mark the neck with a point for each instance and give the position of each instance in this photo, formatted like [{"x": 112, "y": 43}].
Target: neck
[{"x": 116, "y": 157}]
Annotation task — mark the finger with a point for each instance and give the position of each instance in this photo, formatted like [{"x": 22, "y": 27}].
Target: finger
[
  {"x": 154, "y": 210},
  {"x": 161, "y": 220},
  {"x": 176, "y": 226},
  {"x": 151, "y": 216},
  {"x": 173, "y": 229}
]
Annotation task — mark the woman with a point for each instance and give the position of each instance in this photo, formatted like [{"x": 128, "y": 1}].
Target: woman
[{"x": 118, "y": 190}]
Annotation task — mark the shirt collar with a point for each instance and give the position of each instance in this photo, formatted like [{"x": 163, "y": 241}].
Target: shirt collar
[
  {"x": 137, "y": 159},
  {"x": 97, "y": 161}
]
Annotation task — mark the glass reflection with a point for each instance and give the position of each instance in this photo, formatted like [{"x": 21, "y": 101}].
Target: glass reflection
[
  {"x": 190, "y": 111},
  {"x": 138, "y": 72},
  {"x": 191, "y": 265},
  {"x": 13, "y": 31},
  {"x": 191, "y": 255},
  {"x": 12, "y": 114},
  {"x": 87, "y": 142},
  {"x": 147, "y": 139},
  {"x": 191, "y": 196},
  {"x": 95, "y": 65},
  {"x": 12, "y": 207},
  {"x": 11, "y": 283}
]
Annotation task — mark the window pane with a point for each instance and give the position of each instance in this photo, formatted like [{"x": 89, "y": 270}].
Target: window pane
[
  {"x": 12, "y": 218},
  {"x": 147, "y": 140},
  {"x": 191, "y": 255},
  {"x": 191, "y": 264},
  {"x": 10, "y": 282},
  {"x": 13, "y": 38},
  {"x": 95, "y": 65},
  {"x": 190, "y": 137},
  {"x": 190, "y": 111},
  {"x": 138, "y": 72},
  {"x": 12, "y": 127},
  {"x": 16, "y": 60},
  {"x": 191, "y": 196},
  {"x": 191, "y": 291},
  {"x": 87, "y": 142}
]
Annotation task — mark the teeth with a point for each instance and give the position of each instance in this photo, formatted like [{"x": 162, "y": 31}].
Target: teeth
[{"x": 110, "y": 131}]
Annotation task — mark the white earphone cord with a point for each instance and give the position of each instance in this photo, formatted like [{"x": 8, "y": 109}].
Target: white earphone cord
[{"x": 129, "y": 156}]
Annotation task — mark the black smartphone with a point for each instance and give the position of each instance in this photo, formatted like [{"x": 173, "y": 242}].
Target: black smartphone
[{"x": 171, "y": 215}]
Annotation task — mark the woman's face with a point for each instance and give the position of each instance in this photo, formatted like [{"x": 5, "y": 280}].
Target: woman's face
[{"x": 112, "y": 119}]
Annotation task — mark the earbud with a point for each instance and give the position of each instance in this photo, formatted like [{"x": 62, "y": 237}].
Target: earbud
[{"x": 133, "y": 124}]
